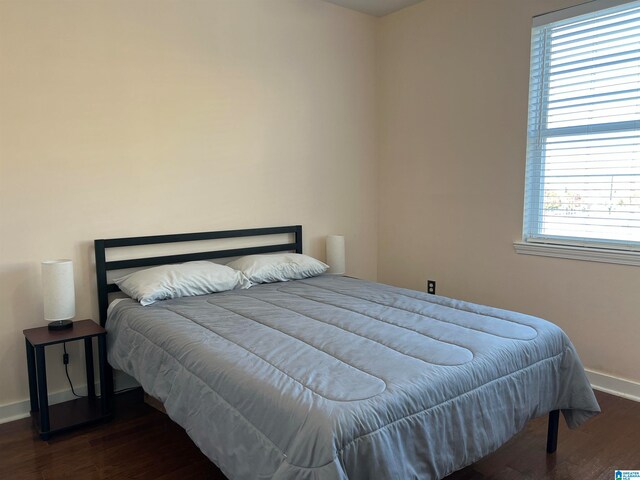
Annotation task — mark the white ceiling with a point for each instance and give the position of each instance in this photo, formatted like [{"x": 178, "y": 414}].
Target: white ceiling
[{"x": 375, "y": 7}]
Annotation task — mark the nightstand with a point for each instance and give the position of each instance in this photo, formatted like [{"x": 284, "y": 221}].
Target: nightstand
[{"x": 81, "y": 411}]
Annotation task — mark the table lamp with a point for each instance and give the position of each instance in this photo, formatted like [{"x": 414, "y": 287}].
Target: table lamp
[{"x": 58, "y": 293}]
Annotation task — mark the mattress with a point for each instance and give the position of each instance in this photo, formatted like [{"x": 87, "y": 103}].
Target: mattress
[{"x": 334, "y": 378}]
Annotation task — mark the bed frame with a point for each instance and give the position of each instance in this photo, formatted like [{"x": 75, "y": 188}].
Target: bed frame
[{"x": 105, "y": 288}]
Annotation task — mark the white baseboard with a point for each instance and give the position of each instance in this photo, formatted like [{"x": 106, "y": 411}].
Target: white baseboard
[
  {"x": 18, "y": 410},
  {"x": 620, "y": 387},
  {"x": 21, "y": 409}
]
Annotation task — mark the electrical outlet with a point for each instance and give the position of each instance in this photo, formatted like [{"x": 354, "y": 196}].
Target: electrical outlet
[{"x": 431, "y": 287}]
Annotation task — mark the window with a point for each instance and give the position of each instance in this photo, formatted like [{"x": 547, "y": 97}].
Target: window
[{"x": 583, "y": 149}]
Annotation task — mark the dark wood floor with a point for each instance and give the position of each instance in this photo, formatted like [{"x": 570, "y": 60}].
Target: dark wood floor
[{"x": 142, "y": 443}]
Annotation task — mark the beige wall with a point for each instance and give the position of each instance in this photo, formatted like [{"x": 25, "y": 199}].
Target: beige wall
[
  {"x": 137, "y": 117},
  {"x": 131, "y": 117},
  {"x": 453, "y": 85}
]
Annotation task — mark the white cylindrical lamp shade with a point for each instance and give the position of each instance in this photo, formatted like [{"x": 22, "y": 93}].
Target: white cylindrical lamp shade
[
  {"x": 58, "y": 290},
  {"x": 336, "y": 258}
]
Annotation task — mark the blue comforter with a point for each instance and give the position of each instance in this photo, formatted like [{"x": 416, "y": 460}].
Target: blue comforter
[{"x": 333, "y": 378}]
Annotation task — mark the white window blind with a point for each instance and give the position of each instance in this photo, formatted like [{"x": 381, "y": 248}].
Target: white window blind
[{"x": 583, "y": 150}]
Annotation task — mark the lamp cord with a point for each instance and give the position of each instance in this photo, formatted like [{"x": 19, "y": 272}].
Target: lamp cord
[{"x": 66, "y": 371}]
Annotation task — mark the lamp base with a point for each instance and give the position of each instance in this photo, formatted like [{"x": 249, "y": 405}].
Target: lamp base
[{"x": 60, "y": 325}]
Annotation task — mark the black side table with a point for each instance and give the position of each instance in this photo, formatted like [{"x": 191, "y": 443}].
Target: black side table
[{"x": 81, "y": 411}]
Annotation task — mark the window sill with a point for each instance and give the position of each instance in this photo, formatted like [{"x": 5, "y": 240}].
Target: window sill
[{"x": 590, "y": 254}]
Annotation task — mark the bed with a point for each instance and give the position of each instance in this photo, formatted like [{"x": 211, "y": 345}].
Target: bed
[{"x": 333, "y": 377}]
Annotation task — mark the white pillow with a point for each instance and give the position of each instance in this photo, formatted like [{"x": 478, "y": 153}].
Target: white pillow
[
  {"x": 278, "y": 267},
  {"x": 183, "y": 280}
]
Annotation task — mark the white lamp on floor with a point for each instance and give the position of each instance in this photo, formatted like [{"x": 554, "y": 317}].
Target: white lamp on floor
[
  {"x": 58, "y": 293},
  {"x": 336, "y": 258}
]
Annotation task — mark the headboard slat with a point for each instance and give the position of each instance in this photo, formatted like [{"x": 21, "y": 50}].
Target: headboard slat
[
  {"x": 197, "y": 236},
  {"x": 192, "y": 257}
]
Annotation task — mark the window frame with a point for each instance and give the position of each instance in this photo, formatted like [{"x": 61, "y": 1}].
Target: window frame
[{"x": 533, "y": 242}]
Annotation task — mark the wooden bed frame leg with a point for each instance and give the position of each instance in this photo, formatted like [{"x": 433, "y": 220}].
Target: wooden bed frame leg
[{"x": 552, "y": 432}]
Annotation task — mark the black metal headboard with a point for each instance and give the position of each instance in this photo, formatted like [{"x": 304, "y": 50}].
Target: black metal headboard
[{"x": 102, "y": 266}]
